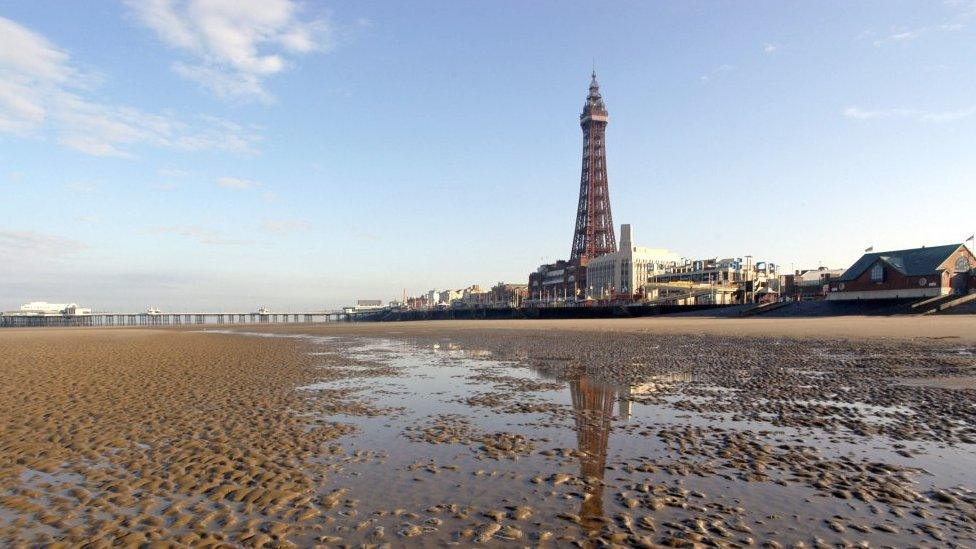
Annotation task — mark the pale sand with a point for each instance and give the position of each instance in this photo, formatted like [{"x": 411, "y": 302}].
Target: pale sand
[
  {"x": 941, "y": 382},
  {"x": 960, "y": 328}
]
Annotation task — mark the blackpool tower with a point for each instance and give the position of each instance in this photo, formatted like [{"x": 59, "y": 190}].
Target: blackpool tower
[{"x": 594, "y": 224}]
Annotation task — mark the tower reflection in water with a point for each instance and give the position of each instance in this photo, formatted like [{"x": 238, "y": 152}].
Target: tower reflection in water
[{"x": 593, "y": 411}]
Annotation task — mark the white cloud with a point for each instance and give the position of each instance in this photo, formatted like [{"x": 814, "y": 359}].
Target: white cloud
[
  {"x": 224, "y": 85},
  {"x": 364, "y": 235},
  {"x": 902, "y": 35},
  {"x": 912, "y": 114},
  {"x": 769, "y": 48},
  {"x": 718, "y": 71},
  {"x": 82, "y": 186},
  {"x": 19, "y": 248},
  {"x": 236, "y": 183},
  {"x": 40, "y": 91},
  {"x": 283, "y": 226},
  {"x": 202, "y": 235},
  {"x": 962, "y": 12},
  {"x": 233, "y": 46},
  {"x": 172, "y": 173}
]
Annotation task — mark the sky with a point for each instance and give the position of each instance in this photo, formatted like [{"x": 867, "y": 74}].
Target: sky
[{"x": 227, "y": 155}]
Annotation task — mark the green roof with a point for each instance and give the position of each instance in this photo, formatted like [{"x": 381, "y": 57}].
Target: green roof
[{"x": 913, "y": 262}]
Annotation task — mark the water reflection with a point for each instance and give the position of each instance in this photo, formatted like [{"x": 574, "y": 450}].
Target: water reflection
[
  {"x": 593, "y": 404},
  {"x": 593, "y": 410}
]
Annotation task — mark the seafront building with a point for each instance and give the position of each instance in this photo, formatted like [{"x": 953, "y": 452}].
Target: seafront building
[
  {"x": 448, "y": 297},
  {"x": 557, "y": 282},
  {"x": 717, "y": 281},
  {"x": 622, "y": 274},
  {"x": 498, "y": 296},
  {"x": 43, "y": 308},
  {"x": 913, "y": 273},
  {"x": 808, "y": 284},
  {"x": 508, "y": 295}
]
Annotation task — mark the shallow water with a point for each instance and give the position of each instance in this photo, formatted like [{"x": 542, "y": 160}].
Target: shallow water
[{"x": 602, "y": 434}]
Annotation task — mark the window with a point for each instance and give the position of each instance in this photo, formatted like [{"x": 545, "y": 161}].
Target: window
[
  {"x": 877, "y": 273},
  {"x": 962, "y": 264}
]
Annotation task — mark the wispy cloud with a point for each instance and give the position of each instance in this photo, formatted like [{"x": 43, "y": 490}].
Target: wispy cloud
[
  {"x": 285, "y": 226},
  {"x": 962, "y": 12},
  {"x": 769, "y": 47},
  {"x": 911, "y": 114},
  {"x": 233, "y": 47},
  {"x": 202, "y": 235},
  {"x": 172, "y": 173},
  {"x": 82, "y": 186},
  {"x": 19, "y": 248},
  {"x": 236, "y": 183},
  {"x": 718, "y": 71},
  {"x": 40, "y": 90},
  {"x": 365, "y": 235},
  {"x": 902, "y": 35}
]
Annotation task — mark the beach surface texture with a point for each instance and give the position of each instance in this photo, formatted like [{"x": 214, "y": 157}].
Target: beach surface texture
[{"x": 632, "y": 432}]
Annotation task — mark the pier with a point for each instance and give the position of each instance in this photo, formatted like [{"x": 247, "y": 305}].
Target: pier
[{"x": 178, "y": 319}]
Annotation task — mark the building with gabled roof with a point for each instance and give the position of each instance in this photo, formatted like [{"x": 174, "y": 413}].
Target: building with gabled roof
[{"x": 902, "y": 274}]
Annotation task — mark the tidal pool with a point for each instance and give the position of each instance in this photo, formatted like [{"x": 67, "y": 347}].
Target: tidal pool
[{"x": 454, "y": 446}]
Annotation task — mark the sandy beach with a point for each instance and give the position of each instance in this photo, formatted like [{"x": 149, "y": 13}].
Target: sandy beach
[
  {"x": 634, "y": 432},
  {"x": 959, "y": 328}
]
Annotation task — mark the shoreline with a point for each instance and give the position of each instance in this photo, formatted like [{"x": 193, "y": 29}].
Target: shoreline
[{"x": 912, "y": 328}]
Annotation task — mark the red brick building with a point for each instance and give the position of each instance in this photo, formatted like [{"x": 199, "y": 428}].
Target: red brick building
[
  {"x": 904, "y": 274},
  {"x": 559, "y": 281}
]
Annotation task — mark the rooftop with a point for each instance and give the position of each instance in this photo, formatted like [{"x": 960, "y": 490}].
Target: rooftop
[{"x": 910, "y": 262}]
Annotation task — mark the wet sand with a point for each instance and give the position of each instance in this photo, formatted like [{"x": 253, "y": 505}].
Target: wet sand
[
  {"x": 960, "y": 328},
  {"x": 639, "y": 432}
]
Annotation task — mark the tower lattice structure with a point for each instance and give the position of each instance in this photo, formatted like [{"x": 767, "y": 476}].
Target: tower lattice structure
[{"x": 594, "y": 234}]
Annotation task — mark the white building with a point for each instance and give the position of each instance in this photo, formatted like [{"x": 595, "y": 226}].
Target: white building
[
  {"x": 447, "y": 297},
  {"x": 43, "y": 308},
  {"x": 474, "y": 296},
  {"x": 726, "y": 280},
  {"x": 624, "y": 272}
]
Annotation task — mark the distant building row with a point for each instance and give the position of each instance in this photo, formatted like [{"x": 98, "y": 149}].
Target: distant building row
[
  {"x": 638, "y": 273},
  {"x": 500, "y": 295}
]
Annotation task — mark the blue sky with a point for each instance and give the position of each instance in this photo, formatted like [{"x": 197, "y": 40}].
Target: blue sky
[{"x": 202, "y": 154}]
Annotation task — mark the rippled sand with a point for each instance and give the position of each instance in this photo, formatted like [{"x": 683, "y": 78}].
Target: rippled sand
[
  {"x": 128, "y": 436},
  {"x": 638, "y": 432}
]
